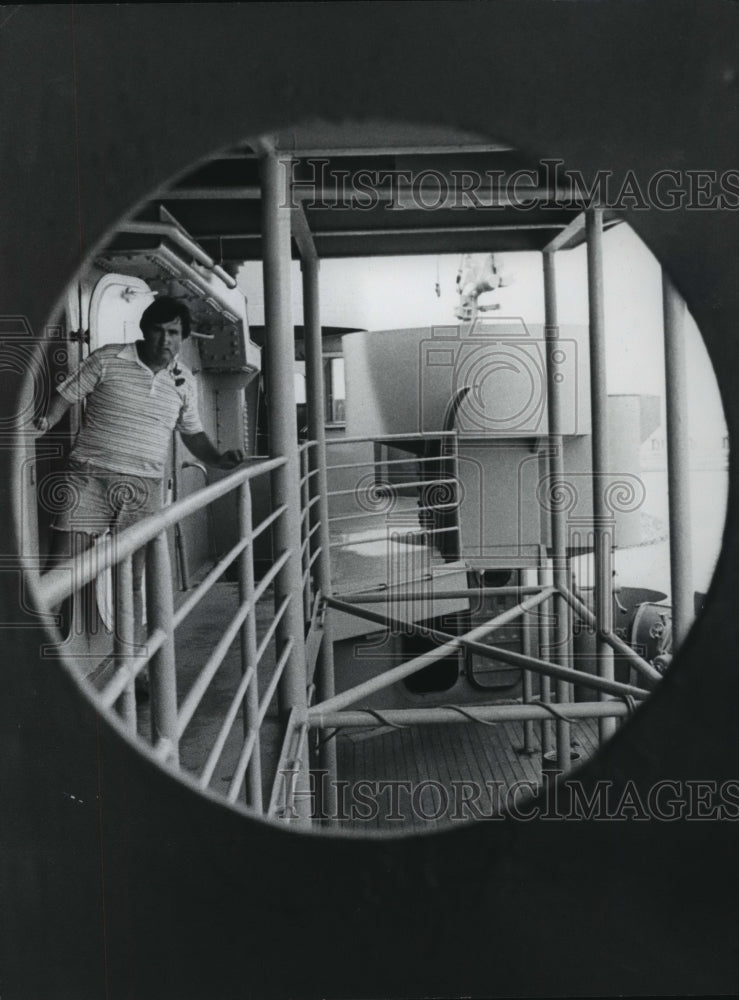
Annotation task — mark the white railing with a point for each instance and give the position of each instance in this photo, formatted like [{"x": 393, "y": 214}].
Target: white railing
[
  {"x": 384, "y": 489},
  {"x": 173, "y": 711}
]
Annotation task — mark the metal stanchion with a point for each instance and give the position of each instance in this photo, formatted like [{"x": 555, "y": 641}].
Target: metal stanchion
[
  {"x": 248, "y": 635},
  {"x": 678, "y": 462},
  {"x": 562, "y": 627},
  {"x": 283, "y": 440},
  {"x": 124, "y": 638},
  {"x": 162, "y": 674},
  {"x": 603, "y": 522},
  {"x": 317, "y": 433}
]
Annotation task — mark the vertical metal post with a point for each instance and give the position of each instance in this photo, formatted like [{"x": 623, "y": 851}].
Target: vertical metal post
[
  {"x": 249, "y": 649},
  {"x": 678, "y": 462},
  {"x": 457, "y": 493},
  {"x": 603, "y": 522},
  {"x": 162, "y": 671},
  {"x": 544, "y": 576},
  {"x": 562, "y": 629},
  {"x": 283, "y": 440},
  {"x": 527, "y": 681},
  {"x": 317, "y": 433},
  {"x": 305, "y": 525},
  {"x": 123, "y": 638},
  {"x": 377, "y": 459}
]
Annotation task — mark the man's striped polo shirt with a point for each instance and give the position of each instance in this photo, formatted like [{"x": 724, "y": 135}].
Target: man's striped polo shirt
[{"x": 131, "y": 411}]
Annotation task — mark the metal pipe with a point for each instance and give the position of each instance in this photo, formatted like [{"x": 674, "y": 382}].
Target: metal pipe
[
  {"x": 385, "y": 438},
  {"x": 412, "y": 666},
  {"x": 391, "y": 488},
  {"x": 281, "y": 768},
  {"x": 162, "y": 670},
  {"x": 248, "y": 635},
  {"x": 383, "y": 513},
  {"x": 304, "y": 487},
  {"x": 562, "y": 629},
  {"x": 283, "y": 441},
  {"x": 323, "y": 718},
  {"x": 502, "y": 618},
  {"x": 248, "y": 747},
  {"x": 413, "y": 460},
  {"x": 228, "y": 721},
  {"x": 263, "y": 525},
  {"x": 603, "y": 521},
  {"x": 309, "y": 475},
  {"x": 205, "y": 585},
  {"x": 458, "y": 525},
  {"x": 179, "y": 539},
  {"x": 648, "y": 672},
  {"x": 545, "y": 643},
  {"x": 123, "y": 640},
  {"x": 246, "y": 683},
  {"x": 207, "y": 673},
  {"x": 393, "y": 535},
  {"x": 390, "y": 597},
  {"x": 117, "y": 683},
  {"x": 302, "y": 731},
  {"x": 284, "y": 768},
  {"x": 491, "y": 195},
  {"x": 523, "y": 660},
  {"x": 267, "y": 637},
  {"x": 678, "y": 461},
  {"x": 527, "y": 680},
  {"x": 308, "y": 507},
  {"x": 269, "y": 576}
]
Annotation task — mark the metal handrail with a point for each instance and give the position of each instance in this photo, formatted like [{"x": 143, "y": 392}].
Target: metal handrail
[
  {"x": 396, "y": 535},
  {"x": 404, "y": 476},
  {"x": 411, "y": 460},
  {"x": 385, "y": 438},
  {"x": 391, "y": 487},
  {"x": 230, "y": 717},
  {"x": 74, "y": 573},
  {"x": 208, "y": 672},
  {"x": 157, "y": 651},
  {"x": 134, "y": 665},
  {"x": 248, "y": 747},
  {"x": 220, "y": 741},
  {"x": 170, "y": 723},
  {"x": 384, "y": 513}
]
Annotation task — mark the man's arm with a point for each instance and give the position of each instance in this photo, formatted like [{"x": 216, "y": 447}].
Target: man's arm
[
  {"x": 203, "y": 448},
  {"x": 78, "y": 385},
  {"x": 57, "y": 408}
]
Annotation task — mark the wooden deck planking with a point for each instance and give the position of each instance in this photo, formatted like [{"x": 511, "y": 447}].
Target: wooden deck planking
[{"x": 448, "y": 755}]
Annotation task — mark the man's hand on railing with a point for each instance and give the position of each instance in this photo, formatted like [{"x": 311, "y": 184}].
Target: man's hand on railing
[
  {"x": 230, "y": 459},
  {"x": 203, "y": 448}
]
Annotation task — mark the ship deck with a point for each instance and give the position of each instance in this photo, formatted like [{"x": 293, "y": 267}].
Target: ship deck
[
  {"x": 430, "y": 776},
  {"x": 389, "y": 779}
]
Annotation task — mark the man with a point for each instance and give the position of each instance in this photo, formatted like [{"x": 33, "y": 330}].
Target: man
[{"x": 136, "y": 395}]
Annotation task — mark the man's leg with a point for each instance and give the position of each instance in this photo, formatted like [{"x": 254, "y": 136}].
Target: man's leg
[
  {"x": 137, "y": 498},
  {"x": 138, "y": 565},
  {"x": 65, "y": 544}
]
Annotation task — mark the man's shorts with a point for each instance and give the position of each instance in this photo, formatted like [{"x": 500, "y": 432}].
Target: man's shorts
[{"x": 95, "y": 500}]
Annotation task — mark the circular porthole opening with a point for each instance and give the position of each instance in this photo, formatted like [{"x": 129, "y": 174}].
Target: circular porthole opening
[{"x": 401, "y": 471}]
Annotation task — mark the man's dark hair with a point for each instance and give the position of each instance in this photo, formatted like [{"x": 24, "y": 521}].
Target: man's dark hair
[{"x": 164, "y": 310}]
